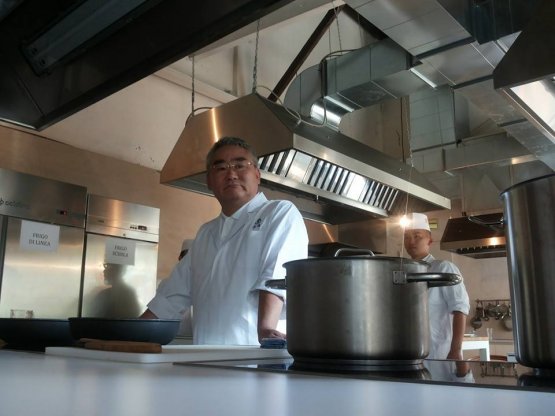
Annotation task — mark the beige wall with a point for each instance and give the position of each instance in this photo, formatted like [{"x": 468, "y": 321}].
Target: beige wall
[{"x": 181, "y": 212}]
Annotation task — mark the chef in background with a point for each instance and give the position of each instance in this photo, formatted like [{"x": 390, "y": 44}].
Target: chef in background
[
  {"x": 224, "y": 273},
  {"x": 448, "y": 305},
  {"x": 118, "y": 299}
]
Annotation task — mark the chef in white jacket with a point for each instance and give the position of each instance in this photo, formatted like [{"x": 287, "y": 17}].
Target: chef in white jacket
[
  {"x": 224, "y": 273},
  {"x": 448, "y": 305}
]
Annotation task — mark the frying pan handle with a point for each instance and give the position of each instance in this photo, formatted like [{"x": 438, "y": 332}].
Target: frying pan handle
[
  {"x": 433, "y": 279},
  {"x": 276, "y": 284}
]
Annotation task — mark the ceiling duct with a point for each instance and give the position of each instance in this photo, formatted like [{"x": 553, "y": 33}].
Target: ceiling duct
[
  {"x": 458, "y": 44},
  {"x": 361, "y": 78},
  {"x": 329, "y": 176},
  {"x": 470, "y": 237}
]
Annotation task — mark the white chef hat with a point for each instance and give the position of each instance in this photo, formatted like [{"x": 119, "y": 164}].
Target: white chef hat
[
  {"x": 186, "y": 245},
  {"x": 416, "y": 221}
]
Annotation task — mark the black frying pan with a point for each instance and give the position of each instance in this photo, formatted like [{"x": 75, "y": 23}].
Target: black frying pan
[
  {"x": 35, "y": 334},
  {"x": 160, "y": 331}
]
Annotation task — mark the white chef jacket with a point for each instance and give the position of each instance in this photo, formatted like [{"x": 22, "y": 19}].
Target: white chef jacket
[
  {"x": 442, "y": 302},
  {"x": 447, "y": 371},
  {"x": 222, "y": 274}
]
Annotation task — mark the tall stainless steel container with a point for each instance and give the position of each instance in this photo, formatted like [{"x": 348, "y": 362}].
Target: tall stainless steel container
[
  {"x": 530, "y": 229},
  {"x": 121, "y": 258}
]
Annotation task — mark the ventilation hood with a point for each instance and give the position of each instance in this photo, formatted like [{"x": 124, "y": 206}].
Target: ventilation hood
[
  {"x": 60, "y": 56},
  {"x": 526, "y": 74},
  {"x": 468, "y": 236},
  {"x": 330, "y": 177}
]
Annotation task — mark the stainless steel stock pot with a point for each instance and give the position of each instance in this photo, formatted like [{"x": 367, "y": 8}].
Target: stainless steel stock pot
[{"x": 359, "y": 308}]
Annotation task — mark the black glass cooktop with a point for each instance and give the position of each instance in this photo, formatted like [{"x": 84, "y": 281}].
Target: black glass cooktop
[{"x": 492, "y": 374}]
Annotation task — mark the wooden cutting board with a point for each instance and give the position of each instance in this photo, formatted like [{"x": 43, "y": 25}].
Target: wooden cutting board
[
  {"x": 121, "y": 346},
  {"x": 173, "y": 353}
]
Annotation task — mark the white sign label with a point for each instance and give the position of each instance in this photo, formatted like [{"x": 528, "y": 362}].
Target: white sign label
[
  {"x": 120, "y": 251},
  {"x": 38, "y": 236}
]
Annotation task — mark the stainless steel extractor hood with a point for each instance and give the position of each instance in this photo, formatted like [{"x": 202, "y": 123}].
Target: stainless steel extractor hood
[
  {"x": 467, "y": 236},
  {"x": 329, "y": 176},
  {"x": 526, "y": 74}
]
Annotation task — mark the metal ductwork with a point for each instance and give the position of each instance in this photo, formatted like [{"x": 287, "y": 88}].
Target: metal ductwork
[
  {"x": 458, "y": 44},
  {"x": 329, "y": 176},
  {"x": 477, "y": 168},
  {"x": 470, "y": 237},
  {"x": 361, "y": 78}
]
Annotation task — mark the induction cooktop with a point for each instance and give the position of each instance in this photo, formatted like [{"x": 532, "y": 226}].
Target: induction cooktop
[{"x": 486, "y": 374}]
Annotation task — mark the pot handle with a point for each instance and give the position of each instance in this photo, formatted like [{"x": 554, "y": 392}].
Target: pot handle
[
  {"x": 276, "y": 284},
  {"x": 353, "y": 250},
  {"x": 495, "y": 225},
  {"x": 433, "y": 279}
]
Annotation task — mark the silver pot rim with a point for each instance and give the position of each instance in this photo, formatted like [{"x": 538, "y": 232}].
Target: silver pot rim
[{"x": 402, "y": 260}]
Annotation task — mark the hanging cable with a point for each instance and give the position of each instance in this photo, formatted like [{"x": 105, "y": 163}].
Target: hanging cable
[
  {"x": 405, "y": 122},
  {"x": 323, "y": 63},
  {"x": 254, "y": 70},
  {"x": 193, "y": 87},
  {"x": 193, "y": 109},
  {"x": 337, "y": 23}
]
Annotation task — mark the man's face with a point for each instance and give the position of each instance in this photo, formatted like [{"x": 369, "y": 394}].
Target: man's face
[
  {"x": 417, "y": 243},
  {"x": 233, "y": 187}
]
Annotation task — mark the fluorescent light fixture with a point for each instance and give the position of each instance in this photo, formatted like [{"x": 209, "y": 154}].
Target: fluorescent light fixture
[
  {"x": 75, "y": 30},
  {"x": 423, "y": 77}
]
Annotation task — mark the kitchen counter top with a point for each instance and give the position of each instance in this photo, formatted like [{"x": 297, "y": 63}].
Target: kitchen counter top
[{"x": 35, "y": 383}]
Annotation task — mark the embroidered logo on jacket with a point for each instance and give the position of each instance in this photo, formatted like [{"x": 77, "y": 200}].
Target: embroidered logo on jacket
[{"x": 257, "y": 224}]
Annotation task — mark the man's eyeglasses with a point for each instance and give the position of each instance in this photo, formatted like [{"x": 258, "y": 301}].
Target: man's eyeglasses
[{"x": 237, "y": 166}]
